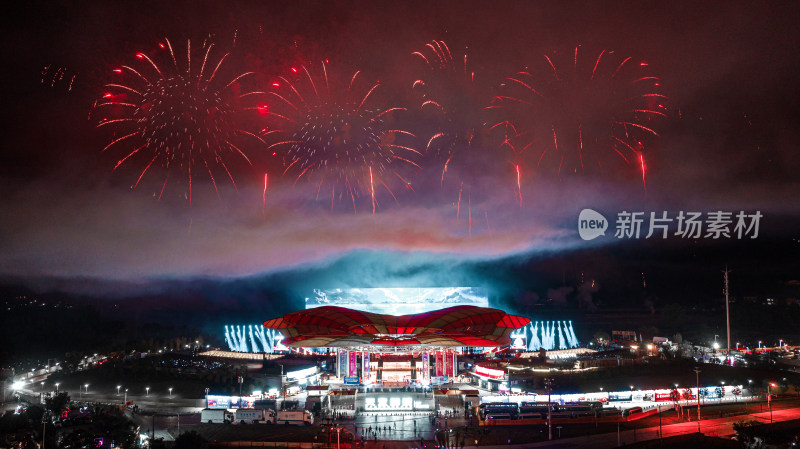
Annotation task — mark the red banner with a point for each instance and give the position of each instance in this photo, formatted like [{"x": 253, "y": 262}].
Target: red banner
[
  {"x": 439, "y": 364},
  {"x": 353, "y": 371},
  {"x": 448, "y": 364}
]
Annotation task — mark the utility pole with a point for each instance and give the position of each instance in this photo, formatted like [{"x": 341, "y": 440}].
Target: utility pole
[
  {"x": 769, "y": 401},
  {"x": 549, "y": 410},
  {"x": 727, "y": 310},
  {"x": 283, "y": 391},
  {"x": 660, "y": 429},
  {"x": 697, "y": 373}
]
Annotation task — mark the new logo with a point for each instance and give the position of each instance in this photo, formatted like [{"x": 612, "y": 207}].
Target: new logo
[{"x": 591, "y": 224}]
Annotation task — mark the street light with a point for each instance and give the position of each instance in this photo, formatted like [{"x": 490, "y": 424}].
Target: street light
[
  {"x": 697, "y": 373},
  {"x": 170, "y": 392},
  {"x": 769, "y": 397},
  {"x": 147, "y": 391},
  {"x": 57, "y": 384},
  {"x": 118, "y": 387},
  {"x": 126, "y": 397}
]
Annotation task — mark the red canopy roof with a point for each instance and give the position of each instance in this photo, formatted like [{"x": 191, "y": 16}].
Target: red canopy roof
[{"x": 453, "y": 326}]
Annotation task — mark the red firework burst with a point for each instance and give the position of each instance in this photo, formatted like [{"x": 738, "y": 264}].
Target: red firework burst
[
  {"x": 454, "y": 102},
  {"x": 184, "y": 115},
  {"x": 573, "y": 112},
  {"x": 330, "y": 135}
]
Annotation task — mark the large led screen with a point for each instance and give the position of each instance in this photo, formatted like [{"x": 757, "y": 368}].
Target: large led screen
[{"x": 398, "y": 301}]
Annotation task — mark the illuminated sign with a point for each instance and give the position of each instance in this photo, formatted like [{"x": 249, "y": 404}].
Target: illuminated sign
[
  {"x": 398, "y": 301},
  {"x": 490, "y": 373},
  {"x": 301, "y": 374},
  {"x": 439, "y": 380}
]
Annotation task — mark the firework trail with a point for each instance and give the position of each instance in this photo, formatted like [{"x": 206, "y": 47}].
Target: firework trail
[
  {"x": 574, "y": 111},
  {"x": 330, "y": 136},
  {"x": 53, "y": 75},
  {"x": 449, "y": 98},
  {"x": 180, "y": 111},
  {"x": 264, "y": 196}
]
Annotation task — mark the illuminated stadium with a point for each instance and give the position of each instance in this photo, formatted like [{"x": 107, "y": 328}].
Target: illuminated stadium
[
  {"x": 399, "y": 336},
  {"x": 369, "y": 336}
]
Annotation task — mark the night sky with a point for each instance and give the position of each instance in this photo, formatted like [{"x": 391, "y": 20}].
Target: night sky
[{"x": 727, "y": 141}]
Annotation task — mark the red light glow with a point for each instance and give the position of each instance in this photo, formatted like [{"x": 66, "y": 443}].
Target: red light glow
[
  {"x": 489, "y": 372},
  {"x": 294, "y": 69},
  {"x": 140, "y": 55}
]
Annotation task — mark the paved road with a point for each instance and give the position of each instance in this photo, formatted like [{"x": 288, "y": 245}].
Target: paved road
[
  {"x": 711, "y": 427},
  {"x": 162, "y": 423},
  {"x": 721, "y": 427},
  {"x": 153, "y": 402}
]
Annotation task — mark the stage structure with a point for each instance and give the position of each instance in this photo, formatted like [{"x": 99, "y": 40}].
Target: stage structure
[
  {"x": 550, "y": 335},
  {"x": 398, "y": 301}
]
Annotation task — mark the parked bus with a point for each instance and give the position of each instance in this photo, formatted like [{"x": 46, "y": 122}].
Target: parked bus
[
  {"x": 533, "y": 410},
  {"x": 498, "y": 410}
]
